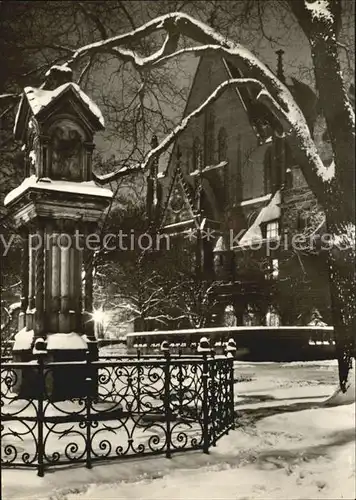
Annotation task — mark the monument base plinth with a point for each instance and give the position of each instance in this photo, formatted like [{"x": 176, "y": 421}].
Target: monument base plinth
[{"x": 61, "y": 372}]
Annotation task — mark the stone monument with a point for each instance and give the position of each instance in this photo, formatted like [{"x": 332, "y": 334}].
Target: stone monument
[{"x": 55, "y": 209}]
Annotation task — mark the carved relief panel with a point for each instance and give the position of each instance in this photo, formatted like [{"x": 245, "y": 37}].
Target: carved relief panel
[{"x": 66, "y": 151}]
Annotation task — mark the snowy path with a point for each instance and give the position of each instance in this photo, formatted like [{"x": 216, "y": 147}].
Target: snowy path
[{"x": 288, "y": 445}]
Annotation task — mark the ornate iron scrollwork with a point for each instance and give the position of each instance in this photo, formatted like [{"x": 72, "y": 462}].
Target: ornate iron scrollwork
[{"x": 152, "y": 405}]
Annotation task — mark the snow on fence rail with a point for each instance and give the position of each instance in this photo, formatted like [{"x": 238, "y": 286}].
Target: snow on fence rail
[
  {"x": 163, "y": 403},
  {"x": 258, "y": 343}
]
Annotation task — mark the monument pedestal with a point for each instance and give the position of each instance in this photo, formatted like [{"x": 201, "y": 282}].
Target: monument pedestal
[
  {"x": 55, "y": 208},
  {"x": 61, "y": 371}
]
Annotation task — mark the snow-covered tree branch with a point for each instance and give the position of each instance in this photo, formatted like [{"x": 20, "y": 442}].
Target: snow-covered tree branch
[
  {"x": 138, "y": 52},
  {"x": 263, "y": 96},
  {"x": 273, "y": 93},
  {"x": 332, "y": 185}
]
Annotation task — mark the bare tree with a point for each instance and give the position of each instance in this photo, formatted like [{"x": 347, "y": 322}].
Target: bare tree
[
  {"x": 31, "y": 43},
  {"x": 332, "y": 185},
  {"x": 139, "y": 54},
  {"x": 153, "y": 288}
]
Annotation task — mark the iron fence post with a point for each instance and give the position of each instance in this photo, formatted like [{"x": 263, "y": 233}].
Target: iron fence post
[
  {"x": 40, "y": 411},
  {"x": 167, "y": 406},
  {"x": 139, "y": 381},
  {"x": 204, "y": 349},
  {"x": 88, "y": 400},
  {"x": 205, "y": 404},
  {"x": 180, "y": 382},
  {"x": 213, "y": 374},
  {"x": 230, "y": 351},
  {"x": 232, "y": 409}
]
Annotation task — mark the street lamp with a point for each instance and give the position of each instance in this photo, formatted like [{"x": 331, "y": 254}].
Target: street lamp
[{"x": 99, "y": 318}]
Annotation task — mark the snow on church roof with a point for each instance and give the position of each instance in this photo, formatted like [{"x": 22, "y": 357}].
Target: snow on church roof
[
  {"x": 268, "y": 213},
  {"x": 39, "y": 99}
]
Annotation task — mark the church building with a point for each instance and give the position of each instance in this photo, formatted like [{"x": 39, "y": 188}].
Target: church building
[{"x": 231, "y": 181}]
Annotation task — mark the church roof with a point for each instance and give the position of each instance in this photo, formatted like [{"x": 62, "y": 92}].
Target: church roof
[
  {"x": 270, "y": 212},
  {"x": 261, "y": 118}
]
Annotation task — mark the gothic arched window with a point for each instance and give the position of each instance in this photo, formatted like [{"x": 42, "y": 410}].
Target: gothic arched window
[
  {"x": 197, "y": 154},
  {"x": 222, "y": 144}
]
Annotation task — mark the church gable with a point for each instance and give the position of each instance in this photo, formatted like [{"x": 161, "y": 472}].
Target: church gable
[
  {"x": 179, "y": 207},
  {"x": 222, "y": 134},
  {"x": 209, "y": 75}
]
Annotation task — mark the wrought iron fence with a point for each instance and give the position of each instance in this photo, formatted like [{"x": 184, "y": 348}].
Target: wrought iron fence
[{"x": 128, "y": 406}]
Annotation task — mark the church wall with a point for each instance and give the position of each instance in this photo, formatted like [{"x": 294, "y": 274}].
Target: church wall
[
  {"x": 253, "y": 173},
  {"x": 243, "y": 177},
  {"x": 244, "y": 180}
]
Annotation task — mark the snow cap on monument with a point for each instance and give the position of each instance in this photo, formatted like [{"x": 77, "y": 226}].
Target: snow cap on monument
[{"x": 58, "y": 91}]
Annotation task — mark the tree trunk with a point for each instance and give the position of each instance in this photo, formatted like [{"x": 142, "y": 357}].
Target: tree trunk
[
  {"x": 340, "y": 212},
  {"x": 322, "y": 32},
  {"x": 342, "y": 278}
]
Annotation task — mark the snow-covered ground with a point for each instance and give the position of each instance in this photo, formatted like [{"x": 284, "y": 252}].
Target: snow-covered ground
[{"x": 288, "y": 444}]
